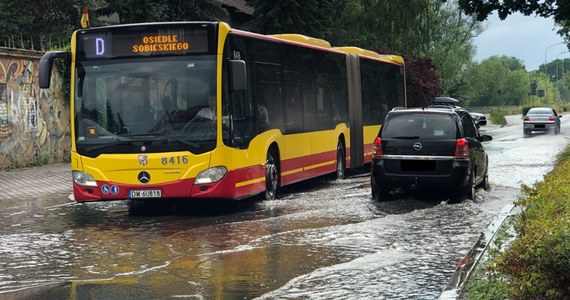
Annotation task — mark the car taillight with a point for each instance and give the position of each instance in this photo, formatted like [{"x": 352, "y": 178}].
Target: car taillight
[
  {"x": 527, "y": 118},
  {"x": 551, "y": 118},
  {"x": 462, "y": 148},
  {"x": 377, "y": 147}
]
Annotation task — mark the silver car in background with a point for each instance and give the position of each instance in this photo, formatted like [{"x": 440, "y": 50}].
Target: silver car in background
[{"x": 541, "y": 119}]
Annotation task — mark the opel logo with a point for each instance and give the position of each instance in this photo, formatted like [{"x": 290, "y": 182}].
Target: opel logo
[
  {"x": 418, "y": 146},
  {"x": 144, "y": 177}
]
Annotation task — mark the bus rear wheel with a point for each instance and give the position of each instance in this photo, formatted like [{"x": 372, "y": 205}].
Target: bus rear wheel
[
  {"x": 340, "y": 161},
  {"x": 271, "y": 176}
]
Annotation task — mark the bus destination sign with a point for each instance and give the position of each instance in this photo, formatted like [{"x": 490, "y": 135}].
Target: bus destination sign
[
  {"x": 161, "y": 43},
  {"x": 128, "y": 43}
]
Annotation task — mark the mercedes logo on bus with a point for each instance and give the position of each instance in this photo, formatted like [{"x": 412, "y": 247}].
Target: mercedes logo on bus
[{"x": 144, "y": 177}]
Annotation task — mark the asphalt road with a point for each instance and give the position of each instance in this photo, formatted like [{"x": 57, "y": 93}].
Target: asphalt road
[{"x": 322, "y": 240}]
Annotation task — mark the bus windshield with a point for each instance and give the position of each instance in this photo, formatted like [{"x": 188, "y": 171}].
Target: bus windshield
[{"x": 164, "y": 104}]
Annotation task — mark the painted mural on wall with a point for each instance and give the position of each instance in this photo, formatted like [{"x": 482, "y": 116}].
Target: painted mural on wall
[{"x": 34, "y": 122}]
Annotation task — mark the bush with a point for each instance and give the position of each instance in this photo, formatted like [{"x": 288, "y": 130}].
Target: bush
[
  {"x": 64, "y": 68},
  {"x": 498, "y": 117},
  {"x": 525, "y": 110},
  {"x": 563, "y": 156}
]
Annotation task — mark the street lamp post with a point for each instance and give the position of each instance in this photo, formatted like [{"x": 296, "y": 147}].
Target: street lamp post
[
  {"x": 546, "y": 50},
  {"x": 557, "y": 69},
  {"x": 558, "y": 76},
  {"x": 545, "y": 67}
]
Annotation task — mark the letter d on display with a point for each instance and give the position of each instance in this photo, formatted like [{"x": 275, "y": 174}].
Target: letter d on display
[{"x": 99, "y": 46}]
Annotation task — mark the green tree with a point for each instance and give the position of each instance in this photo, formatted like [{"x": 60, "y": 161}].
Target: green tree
[
  {"x": 308, "y": 17},
  {"x": 12, "y": 21},
  {"x": 452, "y": 48},
  {"x": 397, "y": 26},
  {"x": 135, "y": 11},
  {"x": 37, "y": 25},
  {"x": 140, "y": 11},
  {"x": 496, "y": 81},
  {"x": 565, "y": 86},
  {"x": 204, "y": 10},
  {"x": 418, "y": 28},
  {"x": 428, "y": 28},
  {"x": 544, "y": 83}
]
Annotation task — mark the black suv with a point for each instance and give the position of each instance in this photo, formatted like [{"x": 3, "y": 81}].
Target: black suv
[{"x": 438, "y": 148}]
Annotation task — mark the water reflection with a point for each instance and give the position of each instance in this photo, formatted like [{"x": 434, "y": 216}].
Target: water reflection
[{"x": 108, "y": 250}]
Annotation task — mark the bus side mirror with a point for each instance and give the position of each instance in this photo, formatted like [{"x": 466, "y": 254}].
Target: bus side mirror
[
  {"x": 46, "y": 64},
  {"x": 238, "y": 75}
]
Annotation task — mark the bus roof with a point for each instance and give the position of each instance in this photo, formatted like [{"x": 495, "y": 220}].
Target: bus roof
[
  {"x": 369, "y": 53},
  {"x": 359, "y": 51},
  {"x": 303, "y": 39},
  {"x": 395, "y": 58},
  {"x": 148, "y": 24},
  {"x": 299, "y": 38}
]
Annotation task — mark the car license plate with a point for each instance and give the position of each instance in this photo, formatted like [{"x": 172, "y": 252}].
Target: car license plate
[
  {"x": 418, "y": 165},
  {"x": 145, "y": 193}
]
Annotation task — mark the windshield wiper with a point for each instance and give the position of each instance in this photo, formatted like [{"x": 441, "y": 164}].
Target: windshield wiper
[
  {"x": 183, "y": 141},
  {"x": 116, "y": 142},
  {"x": 155, "y": 136}
]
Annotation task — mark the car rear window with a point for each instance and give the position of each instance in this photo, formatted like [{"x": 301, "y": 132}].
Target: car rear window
[
  {"x": 540, "y": 111},
  {"x": 428, "y": 126}
]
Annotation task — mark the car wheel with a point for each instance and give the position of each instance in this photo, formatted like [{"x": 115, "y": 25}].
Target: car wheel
[
  {"x": 526, "y": 132},
  {"x": 485, "y": 182},
  {"x": 340, "y": 161},
  {"x": 557, "y": 130},
  {"x": 379, "y": 193},
  {"x": 469, "y": 190},
  {"x": 271, "y": 176}
]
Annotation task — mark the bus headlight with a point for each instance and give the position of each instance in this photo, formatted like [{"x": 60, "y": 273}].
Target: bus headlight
[
  {"x": 211, "y": 175},
  {"x": 83, "y": 179}
]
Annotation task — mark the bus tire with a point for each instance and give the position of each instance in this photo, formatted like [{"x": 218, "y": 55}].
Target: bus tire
[
  {"x": 340, "y": 161},
  {"x": 272, "y": 176}
]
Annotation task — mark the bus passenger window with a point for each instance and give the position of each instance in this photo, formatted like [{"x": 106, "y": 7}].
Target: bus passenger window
[{"x": 262, "y": 113}]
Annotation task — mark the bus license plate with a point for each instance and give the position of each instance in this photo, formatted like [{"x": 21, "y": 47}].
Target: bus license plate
[{"x": 145, "y": 194}]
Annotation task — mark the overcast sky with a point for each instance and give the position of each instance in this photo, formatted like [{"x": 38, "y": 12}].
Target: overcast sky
[{"x": 523, "y": 37}]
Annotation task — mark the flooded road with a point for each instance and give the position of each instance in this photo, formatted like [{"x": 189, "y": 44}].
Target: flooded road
[{"x": 322, "y": 240}]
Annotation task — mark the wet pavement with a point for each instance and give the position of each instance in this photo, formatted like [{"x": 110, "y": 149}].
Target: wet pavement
[
  {"x": 323, "y": 240},
  {"x": 35, "y": 182}
]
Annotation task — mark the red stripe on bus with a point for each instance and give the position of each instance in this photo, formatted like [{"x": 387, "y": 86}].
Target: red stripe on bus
[
  {"x": 225, "y": 188},
  {"x": 309, "y": 160}
]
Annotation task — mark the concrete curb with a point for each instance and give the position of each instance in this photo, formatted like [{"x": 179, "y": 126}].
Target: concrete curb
[{"x": 469, "y": 263}]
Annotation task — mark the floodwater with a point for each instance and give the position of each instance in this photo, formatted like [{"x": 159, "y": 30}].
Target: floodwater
[{"x": 322, "y": 240}]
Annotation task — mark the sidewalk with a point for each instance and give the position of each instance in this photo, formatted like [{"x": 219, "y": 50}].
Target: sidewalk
[{"x": 36, "y": 181}]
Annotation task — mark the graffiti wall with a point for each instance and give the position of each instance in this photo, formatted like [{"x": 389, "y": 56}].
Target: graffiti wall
[{"x": 34, "y": 122}]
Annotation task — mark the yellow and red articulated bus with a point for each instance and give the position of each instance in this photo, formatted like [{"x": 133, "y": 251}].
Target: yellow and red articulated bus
[{"x": 201, "y": 110}]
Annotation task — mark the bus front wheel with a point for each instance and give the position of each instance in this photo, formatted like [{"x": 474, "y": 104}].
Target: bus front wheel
[{"x": 271, "y": 176}]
